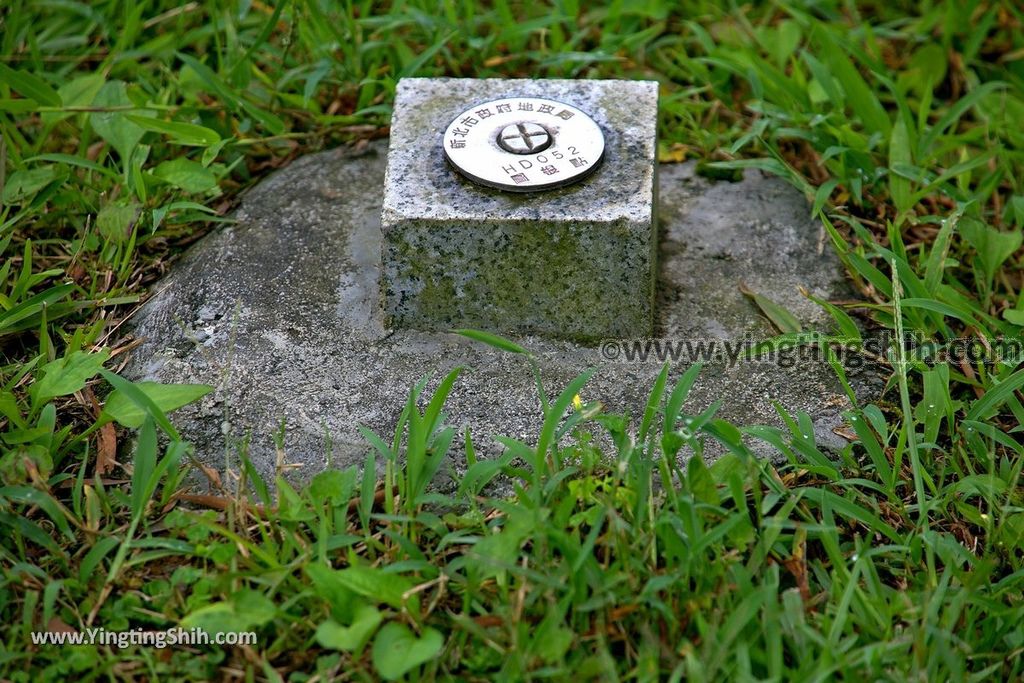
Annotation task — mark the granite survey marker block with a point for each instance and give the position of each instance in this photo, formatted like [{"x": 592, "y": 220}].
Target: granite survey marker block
[{"x": 576, "y": 262}]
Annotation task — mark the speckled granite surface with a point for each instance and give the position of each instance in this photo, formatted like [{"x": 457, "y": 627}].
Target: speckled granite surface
[{"x": 578, "y": 262}]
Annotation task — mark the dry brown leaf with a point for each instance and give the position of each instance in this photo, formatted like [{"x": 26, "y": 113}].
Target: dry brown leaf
[
  {"x": 106, "y": 449},
  {"x": 621, "y": 612},
  {"x": 57, "y": 625},
  {"x": 675, "y": 154}
]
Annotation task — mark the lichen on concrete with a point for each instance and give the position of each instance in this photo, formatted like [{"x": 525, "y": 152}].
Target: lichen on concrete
[{"x": 543, "y": 274}]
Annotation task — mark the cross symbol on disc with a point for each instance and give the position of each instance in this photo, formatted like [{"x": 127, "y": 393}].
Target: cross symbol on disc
[{"x": 524, "y": 138}]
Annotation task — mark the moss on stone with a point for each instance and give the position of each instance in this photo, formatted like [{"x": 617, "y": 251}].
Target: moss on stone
[{"x": 562, "y": 279}]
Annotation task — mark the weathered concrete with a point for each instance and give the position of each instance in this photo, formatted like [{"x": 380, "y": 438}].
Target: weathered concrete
[
  {"x": 281, "y": 311},
  {"x": 577, "y": 262}
]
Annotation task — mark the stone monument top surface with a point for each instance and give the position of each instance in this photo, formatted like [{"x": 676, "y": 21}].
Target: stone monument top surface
[{"x": 421, "y": 183}]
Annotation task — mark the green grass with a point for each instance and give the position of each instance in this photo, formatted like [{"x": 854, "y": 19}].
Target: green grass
[{"x": 130, "y": 127}]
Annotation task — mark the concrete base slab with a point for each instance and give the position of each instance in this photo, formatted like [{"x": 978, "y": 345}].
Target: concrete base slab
[{"x": 281, "y": 312}]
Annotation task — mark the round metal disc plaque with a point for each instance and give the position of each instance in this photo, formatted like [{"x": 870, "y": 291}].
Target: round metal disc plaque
[{"x": 524, "y": 144}]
